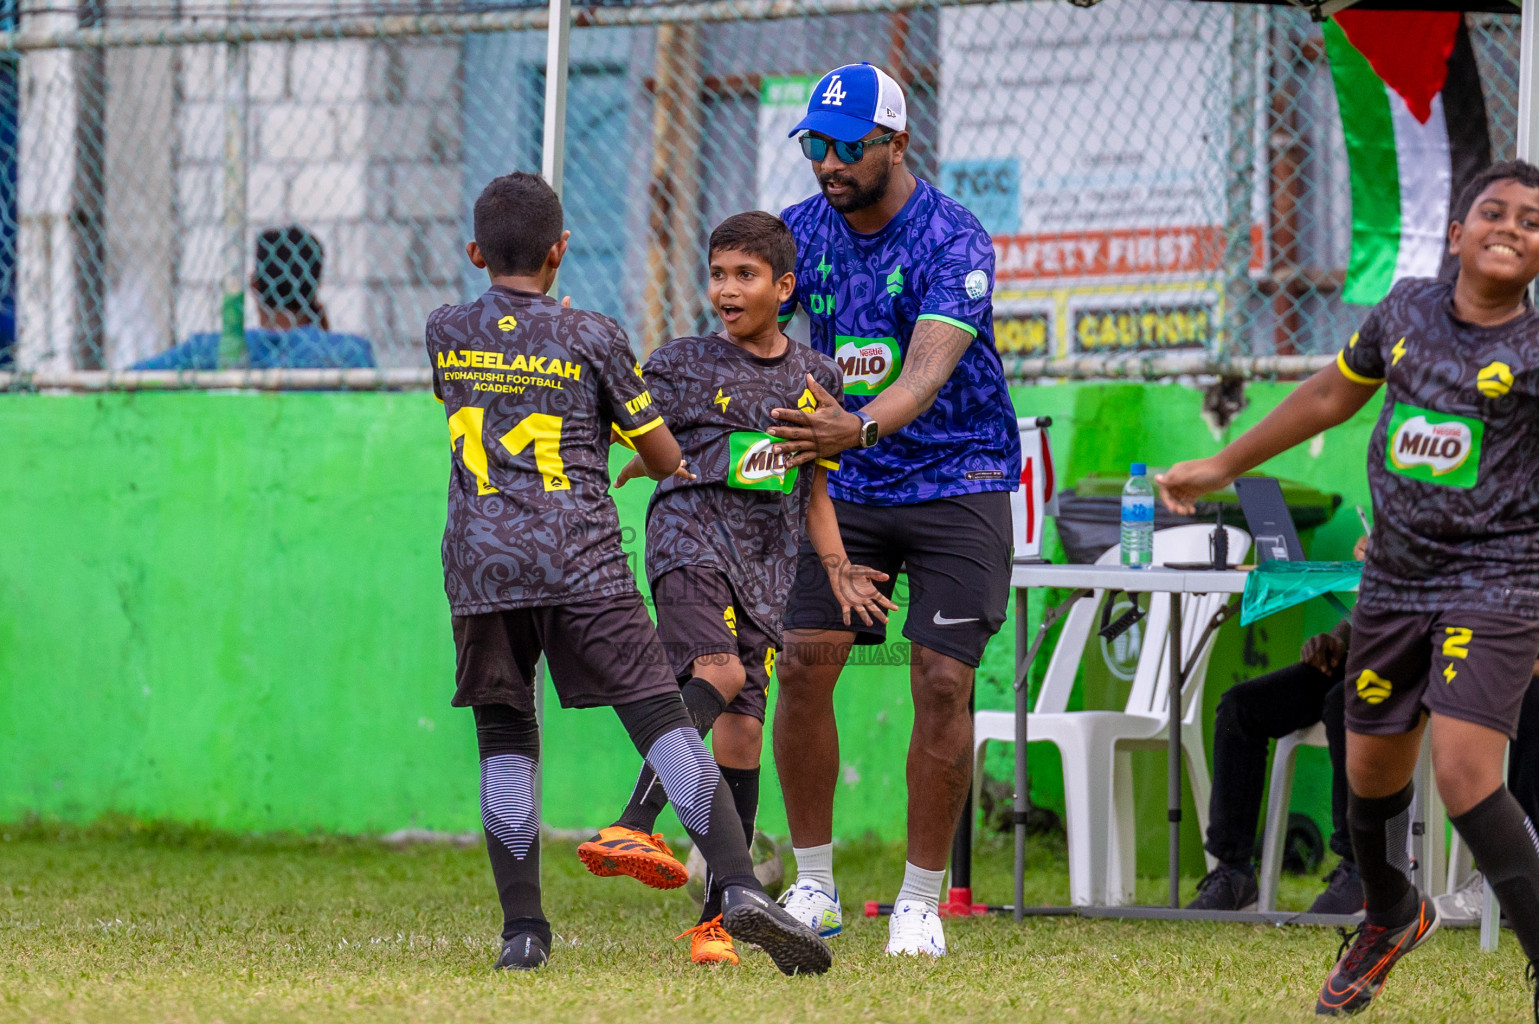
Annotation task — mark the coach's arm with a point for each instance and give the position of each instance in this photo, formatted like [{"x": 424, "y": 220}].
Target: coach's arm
[{"x": 933, "y": 352}]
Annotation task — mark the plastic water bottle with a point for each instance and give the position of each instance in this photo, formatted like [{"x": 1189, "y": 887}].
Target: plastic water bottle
[{"x": 1138, "y": 519}]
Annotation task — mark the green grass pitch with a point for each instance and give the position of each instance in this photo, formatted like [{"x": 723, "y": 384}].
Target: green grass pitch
[{"x": 123, "y": 924}]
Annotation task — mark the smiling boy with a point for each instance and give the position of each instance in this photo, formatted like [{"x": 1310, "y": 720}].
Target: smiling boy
[
  {"x": 1447, "y": 622},
  {"x": 722, "y": 540}
]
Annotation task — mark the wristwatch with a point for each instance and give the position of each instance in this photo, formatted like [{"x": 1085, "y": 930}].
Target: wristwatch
[{"x": 868, "y": 430}]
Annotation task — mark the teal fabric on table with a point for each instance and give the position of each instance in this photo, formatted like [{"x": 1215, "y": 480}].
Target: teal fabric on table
[{"x": 1272, "y": 586}]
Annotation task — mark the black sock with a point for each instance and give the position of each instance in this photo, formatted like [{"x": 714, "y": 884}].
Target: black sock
[
  {"x": 663, "y": 732},
  {"x": 509, "y": 742},
  {"x": 1502, "y": 840},
  {"x": 704, "y": 705},
  {"x": 744, "y": 784},
  {"x": 1379, "y": 826}
]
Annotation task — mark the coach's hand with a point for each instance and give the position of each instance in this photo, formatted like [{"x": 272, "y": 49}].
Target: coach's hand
[
  {"x": 821, "y": 433},
  {"x": 855, "y": 587}
]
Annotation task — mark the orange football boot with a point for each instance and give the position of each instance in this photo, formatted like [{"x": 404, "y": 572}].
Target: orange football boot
[
  {"x": 620, "y": 850},
  {"x": 709, "y": 943}
]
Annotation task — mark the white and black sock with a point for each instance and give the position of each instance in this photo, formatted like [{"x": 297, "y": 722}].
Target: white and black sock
[{"x": 509, "y": 742}]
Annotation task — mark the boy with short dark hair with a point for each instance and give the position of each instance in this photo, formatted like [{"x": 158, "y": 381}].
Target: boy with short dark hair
[
  {"x": 722, "y": 539},
  {"x": 533, "y": 564},
  {"x": 1447, "y": 621}
]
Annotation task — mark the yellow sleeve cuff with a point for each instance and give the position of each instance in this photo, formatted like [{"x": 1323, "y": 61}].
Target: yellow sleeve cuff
[
  {"x": 828, "y": 464},
  {"x": 1352, "y": 375},
  {"x": 644, "y": 428}
]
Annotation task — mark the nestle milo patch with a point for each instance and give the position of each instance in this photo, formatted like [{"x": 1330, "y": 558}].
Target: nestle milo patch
[
  {"x": 868, "y": 365},
  {"x": 1437, "y": 447},
  {"x": 754, "y": 466}
]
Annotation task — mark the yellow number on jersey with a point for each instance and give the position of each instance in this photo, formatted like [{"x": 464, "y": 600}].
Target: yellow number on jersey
[
  {"x": 544, "y": 432},
  {"x": 467, "y": 424}
]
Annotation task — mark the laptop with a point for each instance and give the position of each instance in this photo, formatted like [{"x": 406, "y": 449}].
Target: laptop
[{"x": 1266, "y": 514}]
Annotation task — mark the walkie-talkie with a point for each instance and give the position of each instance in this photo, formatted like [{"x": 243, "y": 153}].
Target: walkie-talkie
[{"x": 1220, "y": 542}]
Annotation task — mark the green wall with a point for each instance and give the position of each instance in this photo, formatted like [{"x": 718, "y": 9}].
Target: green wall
[{"x": 228, "y": 609}]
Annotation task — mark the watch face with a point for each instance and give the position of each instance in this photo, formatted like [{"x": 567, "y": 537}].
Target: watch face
[{"x": 868, "y": 433}]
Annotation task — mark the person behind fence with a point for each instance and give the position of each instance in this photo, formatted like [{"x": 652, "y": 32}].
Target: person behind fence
[
  {"x": 293, "y": 329},
  {"x": 1447, "y": 619},
  {"x": 533, "y": 564},
  {"x": 1249, "y": 715},
  {"x": 722, "y": 539},
  {"x": 896, "y": 278}
]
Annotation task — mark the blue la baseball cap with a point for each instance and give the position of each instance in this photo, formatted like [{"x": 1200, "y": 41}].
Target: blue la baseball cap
[{"x": 851, "y": 100}]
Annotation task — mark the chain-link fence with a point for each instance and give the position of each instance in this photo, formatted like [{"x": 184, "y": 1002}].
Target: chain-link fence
[{"x": 1162, "y": 178}]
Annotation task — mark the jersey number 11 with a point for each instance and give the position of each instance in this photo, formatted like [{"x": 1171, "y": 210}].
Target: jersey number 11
[{"x": 539, "y": 429}]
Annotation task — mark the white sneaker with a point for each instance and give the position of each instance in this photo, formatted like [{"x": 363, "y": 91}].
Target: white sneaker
[
  {"x": 814, "y": 908},
  {"x": 914, "y": 930},
  {"x": 1463, "y": 905}
]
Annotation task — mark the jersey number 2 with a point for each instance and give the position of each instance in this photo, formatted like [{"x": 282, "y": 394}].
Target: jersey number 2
[{"x": 539, "y": 429}]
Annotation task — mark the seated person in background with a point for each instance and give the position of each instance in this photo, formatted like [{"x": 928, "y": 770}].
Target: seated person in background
[
  {"x": 293, "y": 331},
  {"x": 1249, "y": 714}
]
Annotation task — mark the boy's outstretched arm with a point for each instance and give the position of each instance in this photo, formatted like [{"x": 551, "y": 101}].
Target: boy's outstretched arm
[
  {"x": 658, "y": 451},
  {"x": 854, "y": 585},
  {"x": 1323, "y": 401}
]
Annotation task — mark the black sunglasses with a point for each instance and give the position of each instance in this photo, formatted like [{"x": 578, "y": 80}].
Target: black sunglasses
[{"x": 815, "y": 147}]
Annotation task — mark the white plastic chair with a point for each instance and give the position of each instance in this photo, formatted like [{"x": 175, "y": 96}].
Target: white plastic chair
[
  {"x": 1279, "y": 793},
  {"x": 1096, "y": 746},
  {"x": 1437, "y": 867}
]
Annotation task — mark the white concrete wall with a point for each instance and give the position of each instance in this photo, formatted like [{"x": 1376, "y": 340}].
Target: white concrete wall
[
  {"x": 46, "y": 159},
  {"x": 359, "y": 142}
]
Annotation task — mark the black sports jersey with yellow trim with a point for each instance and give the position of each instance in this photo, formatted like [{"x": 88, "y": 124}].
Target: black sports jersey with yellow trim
[
  {"x": 745, "y": 512},
  {"x": 531, "y": 390},
  {"x": 1454, "y": 461}
]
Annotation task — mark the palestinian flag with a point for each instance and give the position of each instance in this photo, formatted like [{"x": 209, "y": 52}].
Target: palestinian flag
[{"x": 1415, "y": 125}]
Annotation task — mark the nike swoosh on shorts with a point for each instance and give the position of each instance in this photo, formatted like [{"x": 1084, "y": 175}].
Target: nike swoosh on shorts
[{"x": 941, "y": 620}]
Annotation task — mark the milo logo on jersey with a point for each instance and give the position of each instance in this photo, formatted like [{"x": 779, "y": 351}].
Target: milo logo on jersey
[
  {"x": 754, "y": 466},
  {"x": 1434, "y": 446},
  {"x": 867, "y": 364}
]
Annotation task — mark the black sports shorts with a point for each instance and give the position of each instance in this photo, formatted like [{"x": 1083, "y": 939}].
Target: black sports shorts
[
  {"x": 698, "y": 615},
  {"x": 599, "y": 652},
  {"x": 955, "y": 553},
  {"x": 1471, "y": 665}
]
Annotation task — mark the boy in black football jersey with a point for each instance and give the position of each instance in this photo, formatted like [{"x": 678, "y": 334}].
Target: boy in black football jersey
[
  {"x": 1447, "y": 621},
  {"x": 533, "y": 564},
  {"x": 722, "y": 539}
]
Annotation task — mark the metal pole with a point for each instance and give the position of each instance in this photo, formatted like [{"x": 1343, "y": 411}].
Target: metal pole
[
  {"x": 1173, "y": 802},
  {"x": 232, "y": 329},
  {"x": 523, "y": 19},
  {"x": 1022, "y": 794},
  {"x": 1528, "y": 136},
  {"x": 557, "y": 40},
  {"x": 552, "y": 167},
  {"x": 1241, "y": 187}
]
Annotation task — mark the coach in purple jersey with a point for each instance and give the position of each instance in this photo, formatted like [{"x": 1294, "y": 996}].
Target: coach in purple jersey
[{"x": 896, "y": 279}]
